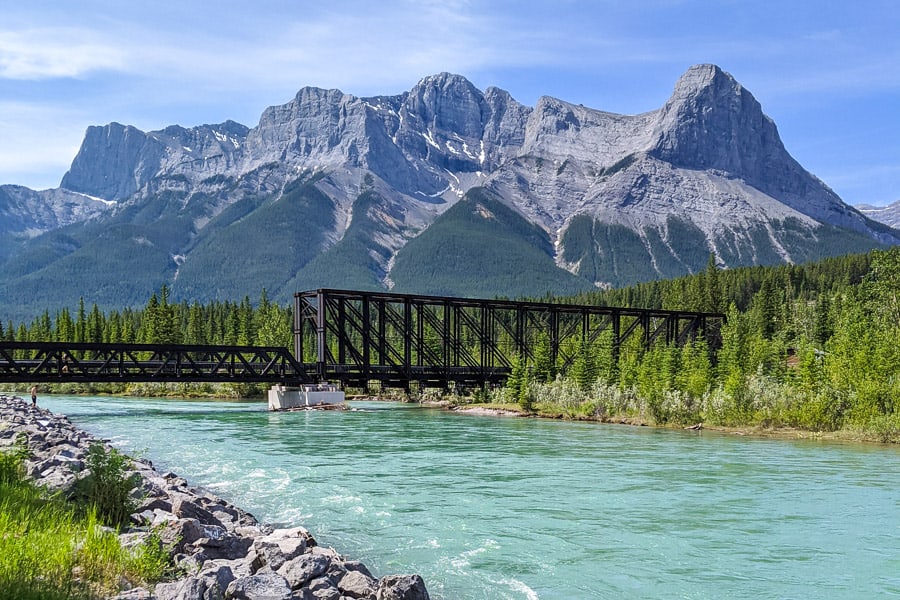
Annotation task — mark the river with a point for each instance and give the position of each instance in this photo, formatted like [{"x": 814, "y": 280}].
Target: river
[{"x": 496, "y": 508}]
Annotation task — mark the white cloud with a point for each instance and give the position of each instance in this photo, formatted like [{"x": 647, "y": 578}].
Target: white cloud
[
  {"x": 152, "y": 65},
  {"x": 37, "y": 54},
  {"x": 343, "y": 49}
]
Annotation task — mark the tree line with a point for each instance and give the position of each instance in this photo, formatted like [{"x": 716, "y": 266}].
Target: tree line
[
  {"x": 810, "y": 346},
  {"x": 162, "y": 322},
  {"x": 807, "y": 346}
]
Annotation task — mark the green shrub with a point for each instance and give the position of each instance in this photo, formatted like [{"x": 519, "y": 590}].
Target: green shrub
[
  {"x": 50, "y": 550},
  {"x": 107, "y": 487},
  {"x": 151, "y": 561},
  {"x": 12, "y": 460},
  {"x": 885, "y": 428}
]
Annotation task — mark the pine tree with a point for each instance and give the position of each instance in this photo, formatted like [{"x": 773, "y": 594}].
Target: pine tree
[
  {"x": 81, "y": 322},
  {"x": 195, "y": 333},
  {"x": 766, "y": 309},
  {"x": 95, "y": 325},
  {"x": 150, "y": 321},
  {"x": 113, "y": 332},
  {"x": 544, "y": 367},
  {"x": 166, "y": 325},
  {"x": 714, "y": 296},
  {"x": 65, "y": 327},
  {"x": 823, "y": 329},
  {"x": 584, "y": 368},
  {"x": 517, "y": 377},
  {"x": 245, "y": 323}
]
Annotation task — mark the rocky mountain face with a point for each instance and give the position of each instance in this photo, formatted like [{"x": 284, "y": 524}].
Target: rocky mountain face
[
  {"x": 442, "y": 189},
  {"x": 26, "y": 213},
  {"x": 889, "y": 215}
]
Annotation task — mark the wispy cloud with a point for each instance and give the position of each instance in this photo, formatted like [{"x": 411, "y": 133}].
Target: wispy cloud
[
  {"x": 55, "y": 52},
  {"x": 394, "y": 46},
  {"x": 184, "y": 62}
]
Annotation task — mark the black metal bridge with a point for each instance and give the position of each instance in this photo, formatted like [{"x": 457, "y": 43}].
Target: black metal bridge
[
  {"x": 56, "y": 362},
  {"x": 357, "y": 338}
]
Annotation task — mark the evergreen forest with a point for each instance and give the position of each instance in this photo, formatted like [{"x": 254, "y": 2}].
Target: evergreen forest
[{"x": 811, "y": 347}]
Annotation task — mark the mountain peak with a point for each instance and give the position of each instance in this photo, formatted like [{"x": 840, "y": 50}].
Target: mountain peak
[
  {"x": 709, "y": 85},
  {"x": 704, "y": 75},
  {"x": 712, "y": 122},
  {"x": 445, "y": 80},
  {"x": 448, "y": 102}
]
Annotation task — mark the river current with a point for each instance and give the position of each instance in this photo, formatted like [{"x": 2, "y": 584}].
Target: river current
[{"x": 497, "y": 508}]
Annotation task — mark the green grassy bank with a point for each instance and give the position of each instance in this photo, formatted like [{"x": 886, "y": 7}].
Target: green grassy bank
[{"x": 53, "y": 548}]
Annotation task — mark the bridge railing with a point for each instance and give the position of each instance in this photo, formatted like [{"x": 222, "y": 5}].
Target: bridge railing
[{"x": 23, "y": 362}]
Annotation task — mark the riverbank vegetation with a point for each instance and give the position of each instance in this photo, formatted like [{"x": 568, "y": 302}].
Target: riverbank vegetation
[
  {"x": 811, "y": 346},
  {"x": 808, "y": 347},
  {"x": 52, "y": 548}
]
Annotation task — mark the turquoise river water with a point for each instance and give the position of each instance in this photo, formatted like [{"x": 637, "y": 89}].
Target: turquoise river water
[{"x": 488, "y": 507}]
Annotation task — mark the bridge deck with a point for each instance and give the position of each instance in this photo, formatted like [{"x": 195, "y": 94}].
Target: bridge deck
[{"x": 24, "y": 362}]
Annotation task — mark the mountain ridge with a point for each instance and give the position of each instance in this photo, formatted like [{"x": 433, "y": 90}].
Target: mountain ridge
[
  {"x": 889, "y": 214},
  {"x": 706, "y": 173}
]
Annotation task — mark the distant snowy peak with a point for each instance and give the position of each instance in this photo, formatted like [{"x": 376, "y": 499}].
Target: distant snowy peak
[
  {"x": 889, "y": 215},
  {"x": 26, "y": 213}
]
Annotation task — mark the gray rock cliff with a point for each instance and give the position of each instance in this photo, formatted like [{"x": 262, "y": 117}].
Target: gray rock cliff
[
  {"x": 889, "y": 215},
  {"x": 706, "y": 173}
]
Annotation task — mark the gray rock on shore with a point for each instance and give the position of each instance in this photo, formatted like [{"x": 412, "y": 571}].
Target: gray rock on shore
[{"x": 224, "y": 551}]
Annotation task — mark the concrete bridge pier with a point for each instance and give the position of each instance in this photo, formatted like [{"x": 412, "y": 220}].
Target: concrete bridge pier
[{"x": 316, "y": 395}]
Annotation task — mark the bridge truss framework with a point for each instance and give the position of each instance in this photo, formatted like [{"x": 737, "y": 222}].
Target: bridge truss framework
[
  {"x": 71, "y": 362},
  {"x": 358, "y": 337}
]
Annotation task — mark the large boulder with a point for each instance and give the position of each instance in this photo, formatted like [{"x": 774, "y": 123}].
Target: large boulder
[
  {"x": 401, "y": 587},
  {"x": 356, "y": 584},
  {"x": 301, "y": 570},
  {"x": 281, "y": 546},
  {"x": 189, "y": 508},
  {"x": 262, "y": 586}
]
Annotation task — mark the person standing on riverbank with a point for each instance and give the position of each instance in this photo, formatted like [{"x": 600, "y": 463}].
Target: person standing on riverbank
[{"x": 34, "y": 395}]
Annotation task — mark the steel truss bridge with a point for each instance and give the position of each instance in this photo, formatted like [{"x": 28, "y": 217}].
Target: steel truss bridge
[
  {"x": 57, "y": 362},
  {"x": 357, "y": 338}
]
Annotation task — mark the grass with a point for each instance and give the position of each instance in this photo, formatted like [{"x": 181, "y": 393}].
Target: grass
[{"x": 50, "y": 548}]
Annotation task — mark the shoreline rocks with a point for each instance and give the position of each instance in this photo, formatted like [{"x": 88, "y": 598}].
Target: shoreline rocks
[{"x": 223, "y": 550}]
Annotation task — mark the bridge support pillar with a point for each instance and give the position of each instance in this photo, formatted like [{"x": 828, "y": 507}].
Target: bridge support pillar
[{"x": 323, "y": 395}]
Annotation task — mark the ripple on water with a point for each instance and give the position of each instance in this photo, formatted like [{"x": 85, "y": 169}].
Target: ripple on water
[{"x": 522, "y": 508}]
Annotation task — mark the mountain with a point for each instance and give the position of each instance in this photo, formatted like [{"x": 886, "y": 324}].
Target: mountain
[
  {"x": 26, "y": 213},
  {"x": 889, "y": 215},
  {"x": 442, "y": 189}
]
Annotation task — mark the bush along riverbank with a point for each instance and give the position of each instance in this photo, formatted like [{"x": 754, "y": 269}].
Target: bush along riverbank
[
  {"x": 812, "y": 349},
  {"x": 767, "y": 408},
  {"x": 80, "y": 520}
]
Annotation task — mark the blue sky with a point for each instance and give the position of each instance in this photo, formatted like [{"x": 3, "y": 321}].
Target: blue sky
[{"x": 827, "y": 72}]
